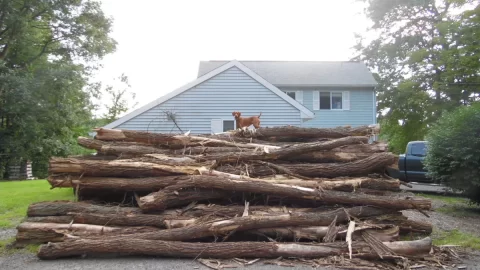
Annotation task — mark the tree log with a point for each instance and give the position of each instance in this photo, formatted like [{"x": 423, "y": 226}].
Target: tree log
[
  {"x": 34, "y": 232},
  {"x": 291, "y": 132},
  {"x": 406, "y": 225},
  {"x": 225, "y": 250},
  {"x": 161, "y": 199},
  {"x": 375, "y": 163},
  {"x": 169, "y": 141},
  {"x": 318, "y": 232},
  {"x": 293, "y": 150},
  {"x": 152, "y": 184},
  {"x": 62, "y": 208},
  {"x": 237, "y": 224},
  {"x": 116, "y": 168}
]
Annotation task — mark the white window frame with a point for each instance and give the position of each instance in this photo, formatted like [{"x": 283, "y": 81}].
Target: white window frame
[{"x": 345, "y": 100}]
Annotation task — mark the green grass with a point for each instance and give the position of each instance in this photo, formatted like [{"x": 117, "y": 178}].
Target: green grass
[
  {"x": 456, "y": 237},
  {"x": 16, "y": 196},
  {"x": 446, "y": 199}
]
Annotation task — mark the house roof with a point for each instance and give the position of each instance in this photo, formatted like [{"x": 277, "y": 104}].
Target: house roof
[
  {"x": 313, "y": 73},
  {"x": 305, "y": 113}
]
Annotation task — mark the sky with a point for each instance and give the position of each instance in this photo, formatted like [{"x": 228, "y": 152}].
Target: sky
[{"x": 160, "y": 42}]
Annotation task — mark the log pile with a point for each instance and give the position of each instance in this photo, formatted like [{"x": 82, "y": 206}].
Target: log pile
[{"x": 273, "y": 192}]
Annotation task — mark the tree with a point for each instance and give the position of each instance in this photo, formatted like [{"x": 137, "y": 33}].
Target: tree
[
  {"x": 119, "y": 102},
  {"x": 47, "y": 51},
  {"x": 426, "y": 59},
  {"x": 454, "y": 150}
]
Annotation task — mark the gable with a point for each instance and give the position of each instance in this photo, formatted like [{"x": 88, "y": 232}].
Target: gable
[
  {"x": 305, "y": 113},
  {"x": 216, "y": 99}
]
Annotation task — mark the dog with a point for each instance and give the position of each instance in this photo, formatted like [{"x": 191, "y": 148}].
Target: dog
[{"x": 246, "y": 122}]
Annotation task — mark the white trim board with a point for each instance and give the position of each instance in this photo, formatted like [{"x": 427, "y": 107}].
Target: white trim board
[{"x": 306, "y": 113}]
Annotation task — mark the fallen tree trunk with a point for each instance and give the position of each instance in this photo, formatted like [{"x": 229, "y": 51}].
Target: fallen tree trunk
[
  {"x": 153, "y": 184},
  {"x": 318, "y": 232},
  {"x": 237, "y": 224},
  {"x": 62, "y": 208},
  {"x": 163, "y": 198},
  {"x": 375, "y": 163},
  {"x": 225, "y": 250},
  {"x": 116, "y": 168},
  {"x": 169, "y": 141},
  {"x": 34, "y": 232},
  {"x": 292, "y": 150},
  {"x": 292, "y": 133}
]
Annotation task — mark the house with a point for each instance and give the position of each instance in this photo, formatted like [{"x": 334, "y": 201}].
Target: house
[{"x": 296, "y": 93}]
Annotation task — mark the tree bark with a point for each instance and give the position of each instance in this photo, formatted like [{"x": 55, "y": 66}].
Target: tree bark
[
  {"x": 115, "y": 168},
  {"x": 62, "y": 208},
  {"x": 285, "y": 152},
  {"x": 375, "y": 163},
  {"x": 318, "y": 232},
  {"x": 35, "y": 232},
  {"x": 406, "y": 225},
  {"x": 153, "y": 184},
  {"x": 293, "y": 133},
  {"x": 169, "y": 141},
  {"x": 237, "y": 224},
  {"x": 163, "y": 198},
  {"x": 225, "y": 250}
]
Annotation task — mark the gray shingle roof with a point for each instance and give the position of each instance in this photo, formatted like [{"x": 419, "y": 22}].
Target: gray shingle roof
[{"x": 317, "y": 73}]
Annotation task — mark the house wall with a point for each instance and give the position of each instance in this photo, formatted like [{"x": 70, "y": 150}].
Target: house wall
[
  {"x": 362, "y": 107},
  {"x": 216, "y": 98}
]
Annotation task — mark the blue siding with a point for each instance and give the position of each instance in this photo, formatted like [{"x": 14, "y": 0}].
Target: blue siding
[
  {"x": 362, "y": 108},
  {"x": 216, "y": 98}
]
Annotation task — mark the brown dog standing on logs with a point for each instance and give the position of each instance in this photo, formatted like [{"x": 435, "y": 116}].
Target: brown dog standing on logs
[{"x": 246, "y": 122}]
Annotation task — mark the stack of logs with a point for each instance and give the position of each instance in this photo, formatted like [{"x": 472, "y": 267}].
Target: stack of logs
[{"x": 274, "y": 192}]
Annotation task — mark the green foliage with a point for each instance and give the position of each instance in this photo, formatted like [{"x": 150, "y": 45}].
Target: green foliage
[
  {"x": 48, "y": 49},
  {"x": 426, "y": 58},
  {"x": 453, "y": 155}
]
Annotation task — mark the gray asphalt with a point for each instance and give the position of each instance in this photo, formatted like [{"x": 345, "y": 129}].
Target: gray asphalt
[
  {"x": 30, "y": 261},
  {"x": 427, "y": 188}
]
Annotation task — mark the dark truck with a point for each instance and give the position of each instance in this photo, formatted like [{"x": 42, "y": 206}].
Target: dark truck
[{"x": 410, "y": 164}]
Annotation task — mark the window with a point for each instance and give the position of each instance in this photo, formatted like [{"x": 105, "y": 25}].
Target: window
[
  {"x": 290, "y": 94},
  {"x": 228, "y": 125},
  {"x": 419, "y": 149},
  {"x": 325, "y": 101},
  {"x": 331, "y": 100}
]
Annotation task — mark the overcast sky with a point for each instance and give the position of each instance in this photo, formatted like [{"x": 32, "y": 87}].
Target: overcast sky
[{"x": 160, "y": 43}]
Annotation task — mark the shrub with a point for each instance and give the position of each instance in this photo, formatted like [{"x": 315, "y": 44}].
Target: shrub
[{"x": 453, "y": 155}]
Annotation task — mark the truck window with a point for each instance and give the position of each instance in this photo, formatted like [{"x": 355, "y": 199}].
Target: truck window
[{"x": 419, "y": 149}]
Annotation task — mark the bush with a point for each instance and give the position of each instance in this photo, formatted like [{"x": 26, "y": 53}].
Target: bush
[{"x": 453, "y": 155}]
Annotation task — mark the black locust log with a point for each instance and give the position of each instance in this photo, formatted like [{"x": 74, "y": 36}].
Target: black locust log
[
  {"x": 283, "y": 152},
  {"x": 34, "y": 232},
  {"x": 169, "y": 141},
  {"x": 62, "y": 208},
  {"x": 292, "y": 133},
  {"x": 163, "y": 198},
  {"x": 238, "y": 224},
  {"x": 225, "y": 250},
  {"x": 114, "y": 168},
  {"x": 375, "y": 163},
  {"x": 153, "y": 184}
]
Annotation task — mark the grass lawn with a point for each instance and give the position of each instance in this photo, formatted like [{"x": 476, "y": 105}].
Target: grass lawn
[{"x": 16, "y": 196}]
